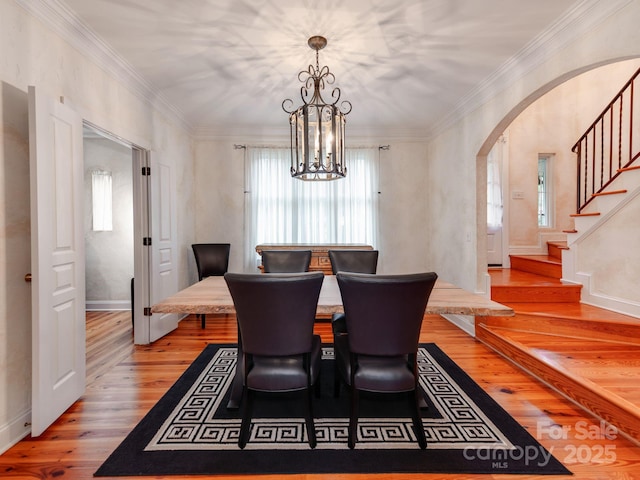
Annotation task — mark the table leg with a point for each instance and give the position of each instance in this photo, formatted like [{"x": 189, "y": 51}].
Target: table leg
[{"x": 236, "y": 387}]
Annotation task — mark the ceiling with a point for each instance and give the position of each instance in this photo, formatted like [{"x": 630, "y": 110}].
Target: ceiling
[{"x": 227, "y": 65}]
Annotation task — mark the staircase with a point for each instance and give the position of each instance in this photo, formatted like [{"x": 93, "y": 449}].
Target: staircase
[
  {"x": 588, "y": 354},
  {"x": 534, "y": 279}
]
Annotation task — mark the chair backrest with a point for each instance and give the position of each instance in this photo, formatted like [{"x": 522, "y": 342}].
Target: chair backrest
[
  {"x": 356, "y": 261},
  {"x": 275, "y": 312},
  {"x": 212, "y": 259},
  {"x": 384, "y": 312},
  {"x": 286, "y": 261}
]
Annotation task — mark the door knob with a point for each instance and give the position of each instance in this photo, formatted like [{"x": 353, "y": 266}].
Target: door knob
[{"x": 27, "y": 278}]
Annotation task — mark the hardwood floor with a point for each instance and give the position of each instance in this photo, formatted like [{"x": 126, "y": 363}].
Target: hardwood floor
[
  {"x": 76, "y": 445},
  {"x": 109, "y": 341},
  {"x": 589, "y": 354}
]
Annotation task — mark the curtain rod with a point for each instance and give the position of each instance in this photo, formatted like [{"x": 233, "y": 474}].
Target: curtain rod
[{"x": 240, "y": 147}]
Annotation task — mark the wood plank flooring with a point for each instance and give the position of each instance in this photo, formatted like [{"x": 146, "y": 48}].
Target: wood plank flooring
[
  {"x": 109, "y": 341},
  {"x": 76, "y": 445},
  {"x": 589, "y": 354}
]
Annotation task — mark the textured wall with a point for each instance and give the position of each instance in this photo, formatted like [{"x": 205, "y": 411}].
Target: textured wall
[
  {"x": 552, "y": 124},
  {"x": 15, "y": 258},
  {"x": 610, "y": 255},
  {"x": 32, "y": 54},
  {"x": 457, "y": 155}
]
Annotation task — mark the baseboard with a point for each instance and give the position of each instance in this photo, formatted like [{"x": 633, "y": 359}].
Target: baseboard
[
  {"x": 618, "y": 305},
  {"x": 16, "y": 430},
  {"x": 527, "y": 250},
  {"x": 106, "y": 305},
  {"x": 539, "y": 249},
  {"x": 466, "y": 323}
]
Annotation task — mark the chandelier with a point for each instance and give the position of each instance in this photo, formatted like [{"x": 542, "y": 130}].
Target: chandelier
[{"x": 317, "y": 127}]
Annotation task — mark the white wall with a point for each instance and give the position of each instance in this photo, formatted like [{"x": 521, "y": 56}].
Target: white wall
[
  {"x": 31, "y": 53},
  {"x": 457, "y": 154},
  {"x": 15, "y": 258},
  {"x": 553, "y": 124},
  {"x": 219, "y": 198},
  {"x": 609, "y": 256}
]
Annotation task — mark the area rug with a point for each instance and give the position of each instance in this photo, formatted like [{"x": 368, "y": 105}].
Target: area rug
[{"x": 190, "y": 431}]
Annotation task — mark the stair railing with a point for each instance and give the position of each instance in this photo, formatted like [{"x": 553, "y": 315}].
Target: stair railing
[{"x": 608, "y": 145}]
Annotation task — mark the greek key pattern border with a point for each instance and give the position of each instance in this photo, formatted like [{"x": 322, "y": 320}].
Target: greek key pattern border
[{"x": 192, "y": 426}]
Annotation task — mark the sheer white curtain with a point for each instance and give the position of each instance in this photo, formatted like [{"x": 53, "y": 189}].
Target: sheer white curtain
[
  {"x": 281, "y": 209},
  {"x": 494, "y": 185}
]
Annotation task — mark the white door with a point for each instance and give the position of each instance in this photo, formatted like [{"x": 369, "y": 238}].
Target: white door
[
  {"x": 497, "y": 212},
  {"x": 163, "y": 276},
  {"x": 494, "y": 245},
  {"x": 57, "y": 263}
]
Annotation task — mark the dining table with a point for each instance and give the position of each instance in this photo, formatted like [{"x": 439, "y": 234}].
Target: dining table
[{"x": 211, "y": 296}]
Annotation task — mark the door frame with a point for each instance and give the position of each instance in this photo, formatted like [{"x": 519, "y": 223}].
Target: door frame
[
  {"x": 139, "y": 156},
  {"x": 154, "y": 238}
]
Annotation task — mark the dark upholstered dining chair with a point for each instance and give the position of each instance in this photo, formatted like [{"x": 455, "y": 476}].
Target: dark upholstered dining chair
[
  {"x": 355, "y": 261},
  {"x": 277, "y": 349},
  {"x": 286, "y": 261},
  {"x": 212, "y": 260},
  {"x": 379, "y": 352}
]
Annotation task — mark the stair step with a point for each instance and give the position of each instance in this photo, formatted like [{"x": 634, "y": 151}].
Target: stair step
[
  {"x": 612, "y": 192},
  {"x": 588, "y": 373},
  {"x": 555, "y": 249},
  {"x": 583, "y": 323},
  {"x": 518, "y": 286},
  {"x": 589, "y": 214},
  {"x": 539, "y": 264},
  {"x": 536, "y": 294}
]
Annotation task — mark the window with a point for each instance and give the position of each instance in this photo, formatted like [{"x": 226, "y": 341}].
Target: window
[
  {"x": 544, "y": 191},
  {"x": 280, "y": 209},
  {"x": 101, "y": 188}
]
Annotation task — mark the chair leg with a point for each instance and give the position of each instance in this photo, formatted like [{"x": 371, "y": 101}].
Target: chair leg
[
  {"x": 203, "y": 320},
  {"x": 353, "y": 419},
  {"x": 414, "y": 400},
  {"x": 247, "y": 406},
  {"x": 311, "y": 428}
]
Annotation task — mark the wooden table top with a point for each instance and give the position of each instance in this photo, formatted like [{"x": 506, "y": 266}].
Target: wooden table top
[{"x": 211, "y": 295}]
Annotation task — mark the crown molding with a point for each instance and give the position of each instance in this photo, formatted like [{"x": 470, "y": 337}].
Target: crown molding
[
  {"x": 282, "y": 133},
  {"x": 578, "y": 20},
  {"x": 66, "y": 23}
]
